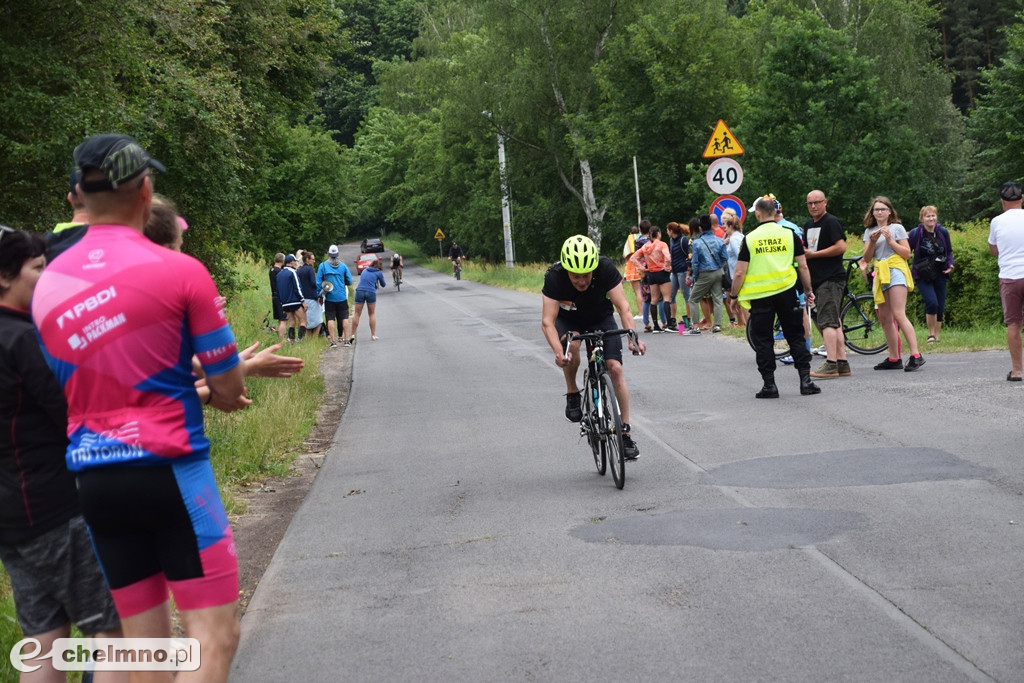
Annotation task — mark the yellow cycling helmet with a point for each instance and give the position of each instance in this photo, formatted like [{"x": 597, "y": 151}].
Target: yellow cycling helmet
[{"x": 579, "y": 254}]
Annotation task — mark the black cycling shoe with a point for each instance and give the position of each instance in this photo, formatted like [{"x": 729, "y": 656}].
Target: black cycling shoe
[
  {"x": 629, "y": 448},
  {"x": 573, "y": 407}
]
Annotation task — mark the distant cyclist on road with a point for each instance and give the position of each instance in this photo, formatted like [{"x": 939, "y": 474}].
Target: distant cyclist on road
[
  {"x": 456, "y": 255},
  {"x": 581, "y": 293},
  {"x": 397, "y": 264}
]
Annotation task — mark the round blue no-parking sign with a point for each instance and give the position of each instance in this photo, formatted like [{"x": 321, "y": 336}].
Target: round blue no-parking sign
[{"x": 728, "y": 201}]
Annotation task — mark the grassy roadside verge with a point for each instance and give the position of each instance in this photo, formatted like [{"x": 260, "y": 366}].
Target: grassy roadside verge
[{"x": 262, "y": 440}]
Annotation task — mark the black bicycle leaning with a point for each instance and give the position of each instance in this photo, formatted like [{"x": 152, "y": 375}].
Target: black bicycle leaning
[
  {"x": 602, "y": 422},
  {"x": 861, "y": 328}
]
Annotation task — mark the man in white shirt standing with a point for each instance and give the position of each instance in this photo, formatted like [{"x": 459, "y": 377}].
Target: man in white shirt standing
[{"x": 1006, "y": 241}]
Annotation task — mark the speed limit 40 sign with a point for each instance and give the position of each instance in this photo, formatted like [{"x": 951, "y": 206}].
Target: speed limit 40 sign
[{"x": 725, "y": 175}]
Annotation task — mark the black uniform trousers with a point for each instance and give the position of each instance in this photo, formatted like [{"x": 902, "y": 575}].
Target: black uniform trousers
[{"x": 785, "y": 305}]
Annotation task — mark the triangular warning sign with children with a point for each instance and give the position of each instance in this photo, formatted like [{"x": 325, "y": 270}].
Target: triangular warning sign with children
[{"x": 722, "y": 143}]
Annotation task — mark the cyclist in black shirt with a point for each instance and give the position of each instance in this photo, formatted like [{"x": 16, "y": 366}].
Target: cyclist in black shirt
[
  {"x": 397, "y": 263},
  {"x": 456, "y": 255},
  {"x": 581, "y": 293}
]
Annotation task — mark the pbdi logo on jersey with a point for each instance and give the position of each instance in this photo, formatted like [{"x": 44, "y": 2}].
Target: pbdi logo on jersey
[{"x": 88, "y": 304}]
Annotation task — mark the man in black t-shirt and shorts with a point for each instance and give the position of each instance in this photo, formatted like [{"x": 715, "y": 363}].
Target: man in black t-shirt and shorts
[
  {"x": 581, "y": 293},
  {"x": 825, "y": 246}
]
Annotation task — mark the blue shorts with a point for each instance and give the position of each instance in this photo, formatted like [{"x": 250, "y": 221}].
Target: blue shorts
[
  {"x": 364, "y": 297},
  {"x": 896, "y": 277}
]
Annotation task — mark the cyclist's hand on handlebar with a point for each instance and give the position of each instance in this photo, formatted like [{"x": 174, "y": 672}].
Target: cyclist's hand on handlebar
[
  {"x": 635, "y": 345},
  {"x": 562, "y": 359}
]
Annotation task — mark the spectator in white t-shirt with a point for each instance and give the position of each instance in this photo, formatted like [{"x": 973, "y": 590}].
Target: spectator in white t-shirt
[{"x": 1006, "y": 242}]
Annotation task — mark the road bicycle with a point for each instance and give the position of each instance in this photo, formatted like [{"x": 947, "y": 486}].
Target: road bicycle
[
  {"x": 397, "y": 279},
  {"x": 602, "y": 423},
  {"x": 458, "y": 269},
  {"x": 861, "y": 328}
]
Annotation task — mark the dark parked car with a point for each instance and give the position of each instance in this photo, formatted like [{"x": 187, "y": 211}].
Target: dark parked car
[
  {"x": 365, "y": 260},
  {"x": 372, "y": 244}
]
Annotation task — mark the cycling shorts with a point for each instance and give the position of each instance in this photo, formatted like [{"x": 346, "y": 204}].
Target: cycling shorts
[
  {"x": 612, "y": 344},
  {"x": 158, "y": 530},
  {"x": 291, "y": 308}
]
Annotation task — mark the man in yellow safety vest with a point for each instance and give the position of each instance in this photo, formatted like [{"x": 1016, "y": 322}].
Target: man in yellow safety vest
[{"x": 770, "y": 260}]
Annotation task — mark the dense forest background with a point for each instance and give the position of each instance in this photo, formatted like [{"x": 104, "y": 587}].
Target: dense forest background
[{"x": 287, "y": 123}]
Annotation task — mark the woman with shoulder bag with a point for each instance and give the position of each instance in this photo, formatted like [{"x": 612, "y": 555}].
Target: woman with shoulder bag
[{"x": 932, "y": 264}]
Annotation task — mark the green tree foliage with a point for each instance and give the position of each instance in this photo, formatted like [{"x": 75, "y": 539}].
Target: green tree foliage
[
  {"x": 428, "y": 154},
  {"x": 997, "y": 121},
  {"x": 669, "y": 77},
  {"x": 54, "y": 59},
  {"x": 898, "y": 38},
  {"x": 308, "y": 195},
  {"x": 374, "y": 31},
  {"x": 536, "y": 75},
  {"x": 972, "y": 40},
  {"x": 200, "y": 84},
  {"x": 819, "y": 120}
]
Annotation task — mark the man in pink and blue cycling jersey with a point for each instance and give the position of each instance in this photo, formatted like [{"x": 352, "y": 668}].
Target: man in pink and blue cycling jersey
[{"x": 120, "y": 319}]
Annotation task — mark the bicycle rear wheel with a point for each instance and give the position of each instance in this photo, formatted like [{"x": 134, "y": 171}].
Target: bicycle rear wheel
[
  {"x": 398, "y": 280},
  {"x": 611, "y": 431},
  {"x": 863, "y": 332},
  {"x": 590, "y": 424},
  {"x": 779, "y": 342},
  {"x": 458, "y": 272}
]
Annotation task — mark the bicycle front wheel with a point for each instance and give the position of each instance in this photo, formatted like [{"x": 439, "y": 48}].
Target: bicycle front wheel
[
  {"x": 863, "y": 332},
  {"x": 398, "y": 281},
  {"x": 590, "y": 425},
  {"x": 779, "y": 342},
  {"x": 611, "y": 431}
]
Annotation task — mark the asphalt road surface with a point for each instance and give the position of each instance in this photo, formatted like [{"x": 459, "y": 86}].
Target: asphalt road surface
[{"x": 458, "y": 530}]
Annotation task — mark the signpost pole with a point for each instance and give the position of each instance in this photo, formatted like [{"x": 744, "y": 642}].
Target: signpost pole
[
  {"x": 506, "y": 204},
  {"x": 636, "y": 181}
]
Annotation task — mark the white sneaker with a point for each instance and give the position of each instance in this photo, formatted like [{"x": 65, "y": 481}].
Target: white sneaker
[
  {"x": 374, "y": 337},
  {"x": 819, "y": 351}
]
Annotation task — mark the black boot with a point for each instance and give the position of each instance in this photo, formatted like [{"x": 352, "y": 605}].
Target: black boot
[
  {"x": 769, "y": 390},
  {"x": 807, "y": 387}
]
